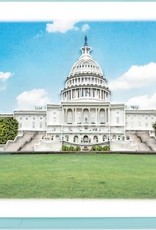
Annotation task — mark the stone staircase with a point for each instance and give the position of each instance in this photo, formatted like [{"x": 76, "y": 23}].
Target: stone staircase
[
  {"x": 29, "y": 146},
  {"x": 149, "y": 141},
  {"x": 19, "y": 142},
  {"x": 141, "y": 146},
  {"x": 143, "y": 140}
]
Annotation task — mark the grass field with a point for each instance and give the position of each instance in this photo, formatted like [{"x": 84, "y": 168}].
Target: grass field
[{"x": 78, "y": 176}]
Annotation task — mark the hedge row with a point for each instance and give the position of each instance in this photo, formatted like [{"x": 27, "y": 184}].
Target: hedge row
[
  {"x": 77, "y": 148},
  {"x": 100, "y": 148},
  {"x": 70, "y": 148}
]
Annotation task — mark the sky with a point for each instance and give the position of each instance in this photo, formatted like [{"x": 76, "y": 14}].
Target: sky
[{"x": 36, "y": 58}]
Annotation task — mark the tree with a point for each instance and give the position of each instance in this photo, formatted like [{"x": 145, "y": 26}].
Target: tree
[
  {"x": 154, "y": 126},
  {"x": 8, "y": 129}
]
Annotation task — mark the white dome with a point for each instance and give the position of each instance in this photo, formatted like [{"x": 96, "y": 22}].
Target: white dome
[
  {"x": 85, "y": 81},
  {"x": 85, "y": 65}
]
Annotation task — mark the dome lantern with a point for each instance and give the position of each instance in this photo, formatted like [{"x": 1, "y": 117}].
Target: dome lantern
[{"x": 85, "y": 49}]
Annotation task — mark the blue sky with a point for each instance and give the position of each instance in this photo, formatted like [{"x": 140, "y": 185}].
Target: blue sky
[{"x": 36, "y": 57}]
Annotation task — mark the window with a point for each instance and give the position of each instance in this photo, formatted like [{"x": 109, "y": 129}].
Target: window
[
  {"x": 95, "y": 139},
  {"x": 117, "y": 120},
  {"x": 118, "y": 138},
  {"x": 75, "y": 139},
  {"x": 67, "y": 138},
  {"x": 86, "y": 120},
  {"x": 40, "y": 125},
  {"x": 114, "y": 137}
]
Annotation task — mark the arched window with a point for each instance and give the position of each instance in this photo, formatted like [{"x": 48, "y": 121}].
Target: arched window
[
  {"x": 114, "y": 137},
  {"x": 85, "y": 116},
  {"x": 95, "y": 139},
  {"x": 85, "y": 139},
  {"x": 67, "y": 138},
  {"x": 75, "y": 139},
  {"x": 102, "y": 116},
  {"x": 69, "y": 116},
  {"x": 104, "y": 137}
]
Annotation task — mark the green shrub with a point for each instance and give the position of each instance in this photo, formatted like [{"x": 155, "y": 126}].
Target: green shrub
[
  {"x": 78, "y": 148},
  {"x": 106, "y": 148},
  {"x": 64, "y": 148},
  {"x": 8, "y": 129},
  {"x": 93, "y": 148},
  {"x": 71, "y": 148},
  {"x": 99, "y": 148}
]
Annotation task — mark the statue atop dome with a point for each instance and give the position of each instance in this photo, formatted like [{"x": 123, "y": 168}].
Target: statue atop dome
[
  {"x": 85, "y": 41},
  {"x": 85, "y": 49}
]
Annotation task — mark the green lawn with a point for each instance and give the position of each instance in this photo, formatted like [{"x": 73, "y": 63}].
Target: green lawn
[{"x": 78, "y": 176}]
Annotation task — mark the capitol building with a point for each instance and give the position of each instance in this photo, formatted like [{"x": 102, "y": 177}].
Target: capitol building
[{"x": 85, "y": 116}]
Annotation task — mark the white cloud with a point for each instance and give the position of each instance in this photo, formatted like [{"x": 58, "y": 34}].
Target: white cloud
[
  {"x": 38, "y": 35},
  {"x": 65, "y": 25},
  {"x": 5, "y": 76},
  {"x": 85, "y": 27},
  {"x": 61, "y": 26},
  {"x": 144, "y": 102},
  {"x": 34, "y": 97},
  {"x": 135, "y": 77}
]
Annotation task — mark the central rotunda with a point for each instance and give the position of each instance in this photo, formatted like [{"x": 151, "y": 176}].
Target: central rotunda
[
  {"x": 85, "y": 116},
  {"x": 86, "y": 80}
]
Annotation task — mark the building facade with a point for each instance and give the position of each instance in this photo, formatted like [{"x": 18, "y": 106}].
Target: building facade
[{"x": 85, "y": 115}]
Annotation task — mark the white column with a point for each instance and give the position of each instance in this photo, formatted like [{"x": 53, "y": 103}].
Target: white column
[
  {"x": 71, "y": 94},
  {"x": 65, "y": 118},
  {"x": 75, "y": 116},
  {"x": 105, "y": 116},
  {"x": 97, "y": 115}
]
